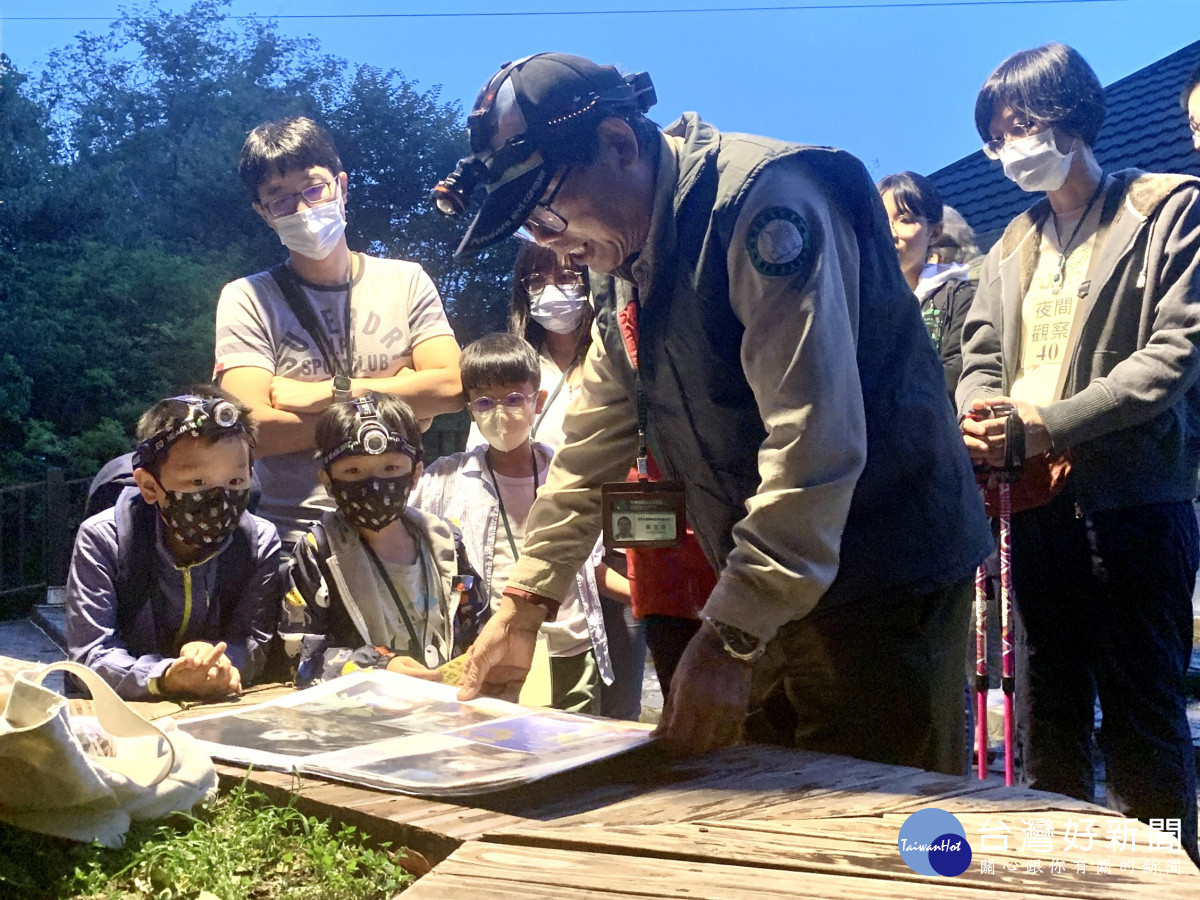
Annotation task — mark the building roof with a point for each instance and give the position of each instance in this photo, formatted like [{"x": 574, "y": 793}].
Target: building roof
[{"x": 1143, "y": 127}]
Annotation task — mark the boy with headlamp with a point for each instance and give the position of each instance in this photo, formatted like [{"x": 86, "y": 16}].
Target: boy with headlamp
[{"x": 172, "y": 591}]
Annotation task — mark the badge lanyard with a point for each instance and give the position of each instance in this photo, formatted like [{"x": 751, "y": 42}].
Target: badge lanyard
[
  {"x": 503, "y": 515},
  {"x": 412, "y": 632},
  {"x": 643, "y": 514},
  {"x": 550, "y": 401},
  {"x": 348, "y": 333},
  {"x": 1064, "y": 253}
]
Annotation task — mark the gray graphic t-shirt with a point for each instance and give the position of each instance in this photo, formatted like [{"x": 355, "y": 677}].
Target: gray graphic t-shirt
[{"x": 394, "y": 308}]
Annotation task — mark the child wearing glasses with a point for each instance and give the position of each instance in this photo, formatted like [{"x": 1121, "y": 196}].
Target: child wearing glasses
[
  {"x": 376, "y": 583},
  {"x": 488, "y": 492},
  {"x": 173, "y": 590}
]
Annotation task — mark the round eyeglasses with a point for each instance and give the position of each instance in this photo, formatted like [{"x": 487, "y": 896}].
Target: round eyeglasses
[
  {"x": 515, "y": 400},
  {"x": 1018, "y": 130},
  {"x": 537, "y": 282},
  {"x": 312, "y": 195}
]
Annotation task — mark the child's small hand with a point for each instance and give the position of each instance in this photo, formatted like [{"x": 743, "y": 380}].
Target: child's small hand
[
  {"x": 406, "y": 665},
  {"x": 202, "y": 670}
]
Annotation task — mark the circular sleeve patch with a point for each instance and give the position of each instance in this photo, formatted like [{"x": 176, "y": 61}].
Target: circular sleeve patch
[{"x": 779, "y": 242}]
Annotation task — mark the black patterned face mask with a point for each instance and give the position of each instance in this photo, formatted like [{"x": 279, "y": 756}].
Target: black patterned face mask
[
  {"x": 372, "y": 503},
  {"x": 204, "y": 518}
]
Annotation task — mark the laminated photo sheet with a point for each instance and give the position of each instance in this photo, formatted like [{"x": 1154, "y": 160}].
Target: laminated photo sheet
[{"x": 403, "y": 734}]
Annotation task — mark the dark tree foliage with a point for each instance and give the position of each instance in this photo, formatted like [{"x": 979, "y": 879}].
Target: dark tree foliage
[
  {"x": 25, "y": 155},
  {"x": 122, "y": 214}
]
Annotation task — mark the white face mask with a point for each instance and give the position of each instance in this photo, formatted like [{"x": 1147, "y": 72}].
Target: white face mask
[
  {"x": 313, "y": 232},
  {"x": 559, "y": 309},
  {"x": 1035, "y": 164},
  {"x": 505, "y": 429}
]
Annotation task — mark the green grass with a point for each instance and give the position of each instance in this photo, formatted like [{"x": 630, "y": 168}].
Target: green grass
[{"x": 244, "y": 848}]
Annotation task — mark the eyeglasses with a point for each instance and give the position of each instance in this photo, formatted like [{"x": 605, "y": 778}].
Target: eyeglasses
[
  {"x": 515, "y": 400},
  {"x": 312, "y": 195},
  {"x": 1019, "y": 130},
  {"x": 537, "y": 282},
  {"x": 543, "y": 218}
]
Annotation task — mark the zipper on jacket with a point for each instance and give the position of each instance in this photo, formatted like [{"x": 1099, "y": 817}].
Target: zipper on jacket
[
  {"x": 186, "y": 571},
  {"x": 1141, "y": 279}
]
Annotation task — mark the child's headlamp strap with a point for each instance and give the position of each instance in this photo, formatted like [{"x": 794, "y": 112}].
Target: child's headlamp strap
[
  {"x": 372, "y": 438},
  {"x": 201, "y": 411}
]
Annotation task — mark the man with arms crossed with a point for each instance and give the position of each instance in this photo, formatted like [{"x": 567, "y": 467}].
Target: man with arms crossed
[{"x": 364, "y": 323}]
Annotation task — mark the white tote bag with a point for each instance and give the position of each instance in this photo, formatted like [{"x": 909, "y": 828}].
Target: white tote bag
[{"x": 87, "y": 778}]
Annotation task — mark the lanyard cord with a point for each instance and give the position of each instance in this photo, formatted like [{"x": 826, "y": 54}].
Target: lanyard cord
[
  {"x": 551, "y": 399},
  {"x": 348, "y": 333},
  {"x": 418, "y": 646},
  {"x": 1065, "y": 252},
  {"x": 302, "y": 308},
  {"x": 487, "y": 457}
]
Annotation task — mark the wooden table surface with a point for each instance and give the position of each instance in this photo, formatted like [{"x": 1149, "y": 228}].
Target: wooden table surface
[{"x": 747, "y": 822}]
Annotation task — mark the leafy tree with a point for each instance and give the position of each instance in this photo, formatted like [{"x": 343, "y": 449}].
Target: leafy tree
[
  {"x": 99, "y": 332},
  {"x": 25, "y": 157},
  {"x": 397, "y": 142}
]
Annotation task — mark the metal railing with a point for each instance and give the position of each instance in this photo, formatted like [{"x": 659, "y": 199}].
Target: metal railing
[{"x": 37, "y": 528}]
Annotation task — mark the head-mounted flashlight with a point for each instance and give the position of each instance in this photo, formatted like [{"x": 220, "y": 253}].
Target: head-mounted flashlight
[
  {"x": 524, "y": 113},
  {"x": 371, "y": 438},
  {"x": 201, "y": 412},
  {"x": 452, "y": 195}
]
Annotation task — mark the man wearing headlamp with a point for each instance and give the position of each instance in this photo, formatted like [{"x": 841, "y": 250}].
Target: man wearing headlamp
[{"x": 754, "y": 331}]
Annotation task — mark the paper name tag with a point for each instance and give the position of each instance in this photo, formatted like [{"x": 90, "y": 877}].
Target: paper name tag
[{"x": 452, "y": 670}]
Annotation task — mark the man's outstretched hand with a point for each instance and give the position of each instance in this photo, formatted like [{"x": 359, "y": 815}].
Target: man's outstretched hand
[
  {"x": 499, "y": 660},
  {"x": 709, "y": 698}
]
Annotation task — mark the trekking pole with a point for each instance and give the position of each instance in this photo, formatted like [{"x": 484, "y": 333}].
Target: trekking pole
[
  {"x": 1001, "y": 479},
  {"x": 1014, "y": 457},
  {"x": 1007, "y": 677},
  {"x": 981, "y": 671}
]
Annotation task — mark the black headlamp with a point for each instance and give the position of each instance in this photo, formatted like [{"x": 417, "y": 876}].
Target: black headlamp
[
  {"x": 372, "y": 438},
  {"x": 546, "y": 125},
  {"x": 202, "y": 412}
]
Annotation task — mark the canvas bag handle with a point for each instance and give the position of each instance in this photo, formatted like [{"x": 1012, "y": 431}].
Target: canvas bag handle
[{"x": 113, "y": 714}]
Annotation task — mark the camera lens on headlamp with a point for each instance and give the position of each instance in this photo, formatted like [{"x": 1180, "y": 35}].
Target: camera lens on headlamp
[
  {"x": 452, "y": 195},
  {"x": 373, "y": 439},
  {"x": 224, "y": 413}
]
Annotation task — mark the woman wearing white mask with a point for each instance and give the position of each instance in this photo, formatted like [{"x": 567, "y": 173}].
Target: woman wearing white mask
[
  {"x": 326, "y": 325},
  {"x": 1087, "y": 321},
  {"x": 550, "y": 309}
]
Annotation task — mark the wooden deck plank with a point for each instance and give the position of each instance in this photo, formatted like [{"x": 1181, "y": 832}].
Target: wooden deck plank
[
  {"x": 907, "y": 792},
  {"x": 885, "y": 828},
  {"x": 727, "y": 843},
  {"x": 838, "y": 855},
  {"x": 479, "y": 869}
]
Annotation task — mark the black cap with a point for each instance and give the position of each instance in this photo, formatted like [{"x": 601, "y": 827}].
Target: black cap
[{"x": 522, "y": 126}]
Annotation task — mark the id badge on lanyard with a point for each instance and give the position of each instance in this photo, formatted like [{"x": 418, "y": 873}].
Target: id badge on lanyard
[{"x": 642, "y": 514}]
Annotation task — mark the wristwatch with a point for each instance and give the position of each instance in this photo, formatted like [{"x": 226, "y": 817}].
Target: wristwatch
[
  {"x": 341, "y": 388},
  {"x": 741, "y": 645}
]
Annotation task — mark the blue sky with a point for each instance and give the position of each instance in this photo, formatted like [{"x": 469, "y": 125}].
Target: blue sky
[{"x": 896, "y": 86}]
